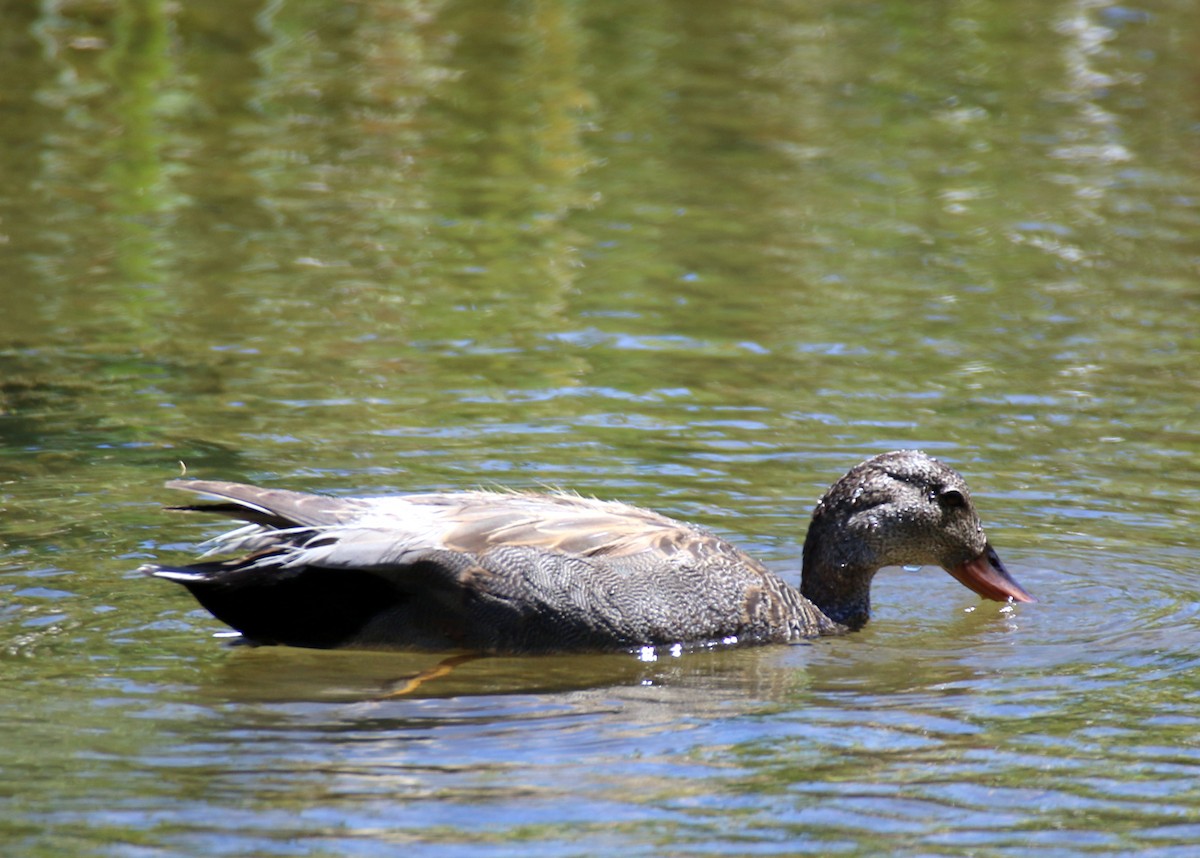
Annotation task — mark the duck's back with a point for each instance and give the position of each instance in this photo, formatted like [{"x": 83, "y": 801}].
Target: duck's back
[{"x": 482, "y": 570}]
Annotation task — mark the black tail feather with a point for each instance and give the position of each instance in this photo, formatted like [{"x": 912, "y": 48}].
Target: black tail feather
[{"x": 312, "y": 607}]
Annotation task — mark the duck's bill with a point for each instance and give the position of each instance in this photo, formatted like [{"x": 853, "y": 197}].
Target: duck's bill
[{"x": 987, "y": 576}]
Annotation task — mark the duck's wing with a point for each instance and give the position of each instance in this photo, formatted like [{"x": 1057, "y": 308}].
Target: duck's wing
[
  {"x": 273, "y": 508},
  {"x": 471, "y": 522},
  {"x": 293, "y": 529},
  {"x": 480, "y": 522},
  {"x": 484, "y": 569}
]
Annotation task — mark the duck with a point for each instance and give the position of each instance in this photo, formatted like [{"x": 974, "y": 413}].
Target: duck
[{"x": 517, "y": 572}]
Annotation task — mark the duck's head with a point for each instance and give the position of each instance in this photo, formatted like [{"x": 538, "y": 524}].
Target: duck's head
[{"x": 903, "y": 508}]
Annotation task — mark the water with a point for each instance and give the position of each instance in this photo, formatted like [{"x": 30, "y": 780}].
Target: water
[{"x": 701, "y": 257}]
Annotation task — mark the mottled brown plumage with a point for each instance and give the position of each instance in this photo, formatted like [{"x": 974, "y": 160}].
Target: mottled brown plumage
[{"x": 520, "y": 572}]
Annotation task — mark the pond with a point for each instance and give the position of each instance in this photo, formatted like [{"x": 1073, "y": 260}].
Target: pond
[{"x": 701, "y": 257}]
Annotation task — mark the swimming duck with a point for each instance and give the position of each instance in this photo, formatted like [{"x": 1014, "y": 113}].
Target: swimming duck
[{"x": 523, "y": 572}]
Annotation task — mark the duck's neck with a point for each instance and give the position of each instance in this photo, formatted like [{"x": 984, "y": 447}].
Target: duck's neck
[{"x": 836, "y": 577}]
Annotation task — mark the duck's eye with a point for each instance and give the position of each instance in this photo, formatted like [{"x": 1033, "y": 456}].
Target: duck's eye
[{"x": 951, "y": 499}]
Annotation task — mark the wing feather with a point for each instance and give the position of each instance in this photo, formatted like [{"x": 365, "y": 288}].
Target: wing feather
[
  {"x": 568, "y": 524},
  {"x": 269, "y": 507},
  {"x": 298, "y": 529}
]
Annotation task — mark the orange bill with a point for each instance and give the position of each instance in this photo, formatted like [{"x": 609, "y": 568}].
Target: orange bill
[{"x": 987, "y": 576}]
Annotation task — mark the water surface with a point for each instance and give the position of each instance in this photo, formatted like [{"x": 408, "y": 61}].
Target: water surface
[{"x": 702, "y": 257}]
